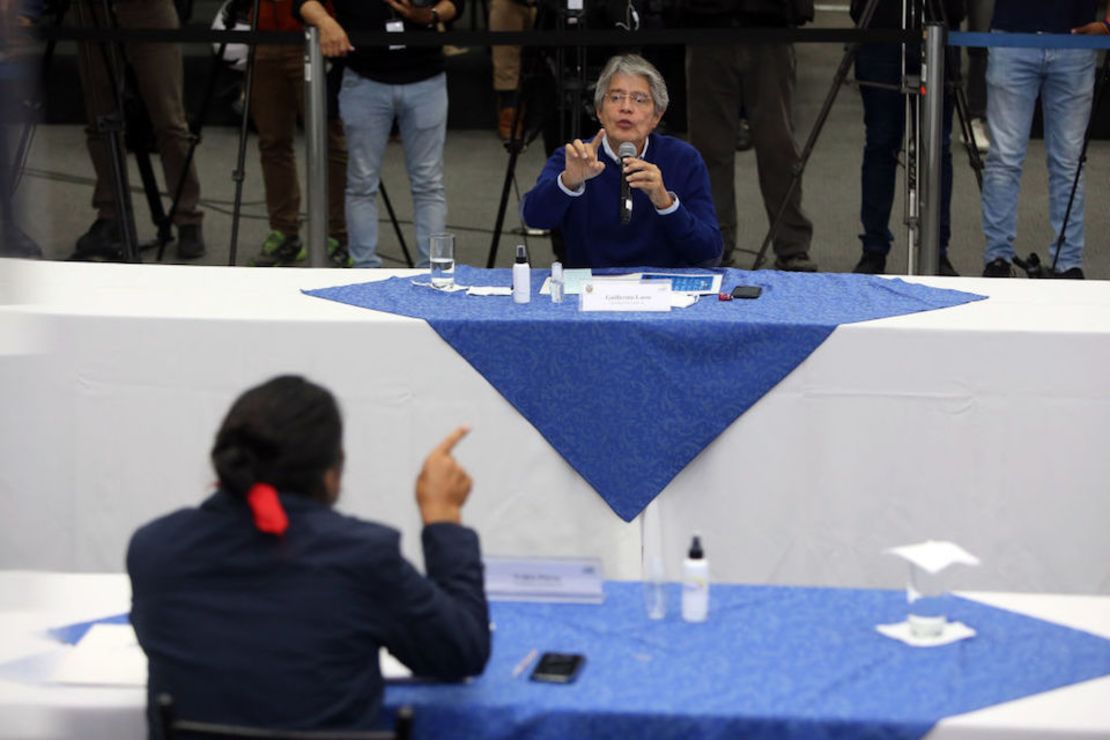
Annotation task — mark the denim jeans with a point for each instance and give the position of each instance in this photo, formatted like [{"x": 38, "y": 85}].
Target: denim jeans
[
  {"x": 884, "y": 117},
  {"x": 368, "y": 109},
  {"x": 1064, "y": 78}
]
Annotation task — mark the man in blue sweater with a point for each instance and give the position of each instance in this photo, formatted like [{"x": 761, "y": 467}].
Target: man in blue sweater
[
  {"x": 673, "y": 223},
  {"x": 1064, "y": 79}
]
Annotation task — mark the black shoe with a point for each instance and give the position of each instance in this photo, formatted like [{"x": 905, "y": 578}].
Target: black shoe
[
  {"x": 17, "y": 244},
  {"x": 190, "y": 242},
  {"x": 743, "y": 136},
  {"x": 1072, "y": 273},
  {"x": 799, "y": 262},
  {"x": 999, "y": 268},
  {"x": 871, "y": 263},
  {"x": 101, "y": 242},
  {"x": 945, "y": 267}
]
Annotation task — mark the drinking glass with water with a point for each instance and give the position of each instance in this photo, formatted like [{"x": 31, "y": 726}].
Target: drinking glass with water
[{"x": 442, "y": 249}]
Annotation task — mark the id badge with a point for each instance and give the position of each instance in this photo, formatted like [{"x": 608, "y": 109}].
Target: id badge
[{"x": 395, "y": 26}]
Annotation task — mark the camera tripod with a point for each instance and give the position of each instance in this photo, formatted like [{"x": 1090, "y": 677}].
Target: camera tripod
[{"x": 915, "y": 90}]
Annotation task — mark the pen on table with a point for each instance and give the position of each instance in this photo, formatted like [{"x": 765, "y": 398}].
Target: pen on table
[{"x": 519, "y": 668}]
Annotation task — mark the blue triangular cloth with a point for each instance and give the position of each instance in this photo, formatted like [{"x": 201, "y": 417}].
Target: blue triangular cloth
[{"x": 629, "y": 399}]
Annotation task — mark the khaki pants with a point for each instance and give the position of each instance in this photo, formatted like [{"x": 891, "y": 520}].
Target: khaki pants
[
  {"x": 277, "y": 99},
  {"x": 159, "y": 76},
  {"x": 762, "y": 75}
]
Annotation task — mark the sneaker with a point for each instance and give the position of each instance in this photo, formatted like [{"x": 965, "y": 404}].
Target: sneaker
[
  {"x": 1072, "y": 273},
  {"x": 979, "y": 133},
  {"x": 744, "y": 136},
  {"x": 101, "y": 242},
  {"x": 190, "y": 242},
  {"x": 945, "y": 268},
  {"x": 871, "y": 263},
  {"x": 999, "y": 268},
  {"x": 338, "y": 255},
  {"x": 799, "y": 262},
  {"x": 280, "y": 250}
]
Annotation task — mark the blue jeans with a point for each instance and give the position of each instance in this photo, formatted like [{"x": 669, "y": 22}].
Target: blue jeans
[
  {"x": 884, "y": 116},
  {"x": 368, "y": 109},
  {"x": 1064, "y": 78}
]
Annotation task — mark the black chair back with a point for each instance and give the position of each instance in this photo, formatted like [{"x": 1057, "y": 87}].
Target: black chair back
[{"x": 178, "y": 729}]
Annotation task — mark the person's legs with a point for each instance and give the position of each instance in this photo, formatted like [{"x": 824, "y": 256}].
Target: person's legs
[
  {"x": 1013, "y": 81},
  {"x": 96, "y": 87},
  {"x": 768, "y": 88},
  {"x": 422, "y": 118},
  {"x": 884, "y": 115},
  {"x": 712, "y": 92},
  {"x": 159, "y": 73},
  {"x": 1066, "y": 101},
  {"x": 274, "y": 107},
  {"x": 366, "y": 108}
]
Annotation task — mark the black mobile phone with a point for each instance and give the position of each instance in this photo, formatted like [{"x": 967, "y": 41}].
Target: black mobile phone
[
  {"x": 558, "y": 667},
  {"x": 747, "y": 291}
]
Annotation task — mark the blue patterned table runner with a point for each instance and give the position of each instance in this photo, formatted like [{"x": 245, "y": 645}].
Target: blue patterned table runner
[
  {"x": 771, "y": 662},
  {"x": 629, "y": 399}
]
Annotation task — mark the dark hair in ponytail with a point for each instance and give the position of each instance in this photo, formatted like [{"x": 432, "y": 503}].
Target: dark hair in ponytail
[{"x": 286, "y": 432}]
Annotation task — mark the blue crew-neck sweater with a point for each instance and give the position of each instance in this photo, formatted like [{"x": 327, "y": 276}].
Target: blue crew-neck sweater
[{"x": 687, "y": 236}]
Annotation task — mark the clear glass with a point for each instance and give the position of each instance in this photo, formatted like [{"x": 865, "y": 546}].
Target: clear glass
[
  {"x": 925, "y": 594},
  {"x": 442, "y": 254},
  {"x": 651, "y": 562}
]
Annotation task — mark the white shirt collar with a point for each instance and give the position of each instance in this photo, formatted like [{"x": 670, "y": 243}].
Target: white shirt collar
[{"x": 613, "y": 155}]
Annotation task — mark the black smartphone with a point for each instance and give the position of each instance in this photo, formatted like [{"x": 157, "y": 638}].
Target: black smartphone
[
  {"x": 558, "y": 667},
  {"x": 747, "y": 291}
]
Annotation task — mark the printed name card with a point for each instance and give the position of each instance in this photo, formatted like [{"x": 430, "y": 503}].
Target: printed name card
[
  {"x": 625, "y": 295},
  {"x": 573, "y": 580}
]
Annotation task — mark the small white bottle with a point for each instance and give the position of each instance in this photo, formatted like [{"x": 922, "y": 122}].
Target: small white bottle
[
  {"x": 522, "y": 276},
  {"x": 556, "y": 282},
  {"x": 695, "y": 584}
]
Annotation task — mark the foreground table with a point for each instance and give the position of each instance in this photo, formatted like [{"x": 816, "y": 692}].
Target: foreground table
[
  {"x": 798, "y": 662},
  {"x": 981, "y": 424}
]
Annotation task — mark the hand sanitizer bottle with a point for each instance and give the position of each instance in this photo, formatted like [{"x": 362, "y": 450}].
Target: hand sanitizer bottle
[
  {"x": 557, "y": 282},
  {"x": 522, "y": 276},
  {"x": 695, "y": 584}
]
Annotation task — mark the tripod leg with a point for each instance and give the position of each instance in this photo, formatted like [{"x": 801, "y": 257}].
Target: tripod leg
[
  {"x": 1104, "y": 75},
  {"x": 244, "y": 127},
  {"x": 396, "y": 225}
]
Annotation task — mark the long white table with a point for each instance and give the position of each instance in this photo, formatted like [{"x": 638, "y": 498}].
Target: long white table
[
  {"x": 35, "y": 708},
  {"x": 982, "y": 424}
]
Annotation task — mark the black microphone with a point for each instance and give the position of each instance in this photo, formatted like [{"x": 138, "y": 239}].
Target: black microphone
[{"x": 627, "y": 149}]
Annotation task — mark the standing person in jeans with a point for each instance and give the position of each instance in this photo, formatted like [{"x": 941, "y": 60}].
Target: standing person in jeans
[
  {"x": 718, "y": 77},
  {"x": 277, "y": 99},
  {"x": 1064, "y": 79},
  {"x": 380, "y": 84},
  {"x": 160, "y": 78},
  {"x": 884, "y": 118}
]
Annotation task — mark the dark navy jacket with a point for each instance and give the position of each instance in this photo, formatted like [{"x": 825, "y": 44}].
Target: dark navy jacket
[{"x": 250, "y": 628}]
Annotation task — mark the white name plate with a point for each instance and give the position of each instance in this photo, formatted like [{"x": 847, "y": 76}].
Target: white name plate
[
  {"x": 625, "y": 295},
  {"x": 575, "y": 580}
]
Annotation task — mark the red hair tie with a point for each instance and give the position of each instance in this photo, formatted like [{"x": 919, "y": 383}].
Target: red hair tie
[{"x": 269, "y": 517}]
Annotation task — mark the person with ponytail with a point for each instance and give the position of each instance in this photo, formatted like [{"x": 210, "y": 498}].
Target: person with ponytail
[{"x": 265, "y": 606}]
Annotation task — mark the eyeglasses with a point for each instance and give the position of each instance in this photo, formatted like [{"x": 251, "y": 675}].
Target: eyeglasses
[{"x": 638, "y": 98}]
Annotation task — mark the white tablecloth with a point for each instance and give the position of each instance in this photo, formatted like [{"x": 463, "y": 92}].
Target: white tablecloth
[{"x": 982, "y": 424}]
